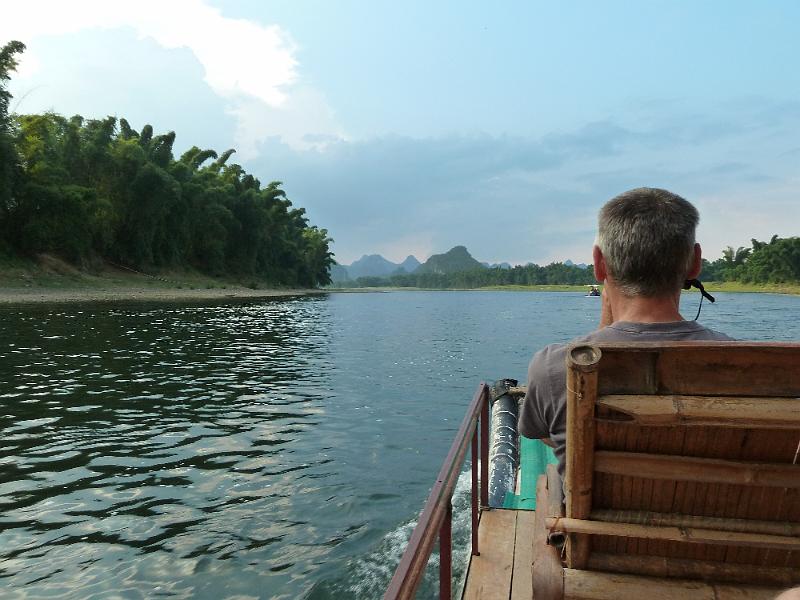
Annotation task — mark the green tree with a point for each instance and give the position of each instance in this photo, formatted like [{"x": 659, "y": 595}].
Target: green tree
[
  {"x": 9, "y": 163},
  {"x": 776, "y": 261}
]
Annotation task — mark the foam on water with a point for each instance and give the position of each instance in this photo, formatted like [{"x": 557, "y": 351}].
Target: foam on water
[{"x": 367, "y": 577}]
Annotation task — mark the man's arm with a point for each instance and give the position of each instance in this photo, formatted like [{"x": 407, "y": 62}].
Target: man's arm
[{"x": 533, "y": 422}]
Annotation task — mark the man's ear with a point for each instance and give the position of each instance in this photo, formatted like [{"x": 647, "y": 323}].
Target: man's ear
[
  {"x": 697, "y": 263},
  {"x": 600, "y": 271}
]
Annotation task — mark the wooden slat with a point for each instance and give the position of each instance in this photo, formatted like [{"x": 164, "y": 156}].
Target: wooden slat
[
  {"x": 657, "y": 566},
  {"x": 688, "y": 535},
  {"x": 701, "y": 368},
  {"x": 757, "y": 370},
  {"x": 747, "y": 412},
  {"x": 489, "y": 576},
  {"x": 680, "y": 520},
  {"x": 703, "y": 470},
  {"x": 522, "y": 576},
  {"x": 628, "y": 372},
  {"x": 593, "y": 585}
]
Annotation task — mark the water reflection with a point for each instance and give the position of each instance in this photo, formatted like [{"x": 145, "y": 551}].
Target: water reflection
[{"x": 152, "y": 449}]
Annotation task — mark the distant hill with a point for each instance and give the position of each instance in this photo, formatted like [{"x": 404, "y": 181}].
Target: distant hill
[
  {"x": 502, "y": 265},
  {"x": 410, "y": 264},
  {"x": 569, "y": 263},
  {"x": 339, "y": 273},
  {"x": 372, "y": 265},
  {"x": 453, "y": 261}
]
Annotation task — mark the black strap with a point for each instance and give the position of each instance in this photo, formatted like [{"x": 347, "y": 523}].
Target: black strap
[{"x": 695, "y": 283}]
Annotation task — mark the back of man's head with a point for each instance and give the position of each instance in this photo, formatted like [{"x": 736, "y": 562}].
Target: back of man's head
[{"x": 647, "y": 238}]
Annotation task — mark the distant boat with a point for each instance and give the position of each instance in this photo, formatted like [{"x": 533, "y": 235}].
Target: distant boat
[{"x": 594, "y": 290}]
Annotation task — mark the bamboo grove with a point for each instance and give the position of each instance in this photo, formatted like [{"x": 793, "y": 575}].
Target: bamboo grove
[{"x": 91, "y": 190}]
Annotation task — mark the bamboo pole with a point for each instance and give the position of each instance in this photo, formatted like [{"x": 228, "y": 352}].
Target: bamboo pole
[
  {"x": 547, "y": 572},
  {"x": 703, "y": 470},
  {"x": 555, "y": 504},
  {"x": 659, "y": 566},
  {"x": 582, "y": 363},
  {"x": 675, "y": 534},
  {"x": 677, "y": 520}
]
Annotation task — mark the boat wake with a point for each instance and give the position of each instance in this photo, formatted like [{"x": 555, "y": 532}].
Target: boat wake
[{"x": 368, "y": 576}]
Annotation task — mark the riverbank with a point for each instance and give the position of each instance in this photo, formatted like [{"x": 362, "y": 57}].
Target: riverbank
[
  {"x": 492, "y": 288},
  {"x": 43, "y": 295},
  {"x": 50, "y": 280},
  {"x": 728, "y": 286},
  {"x": 757, "y": 288}
]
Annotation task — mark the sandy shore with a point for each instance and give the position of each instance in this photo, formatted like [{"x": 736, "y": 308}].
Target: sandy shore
[{"x": 137, "y": 294}]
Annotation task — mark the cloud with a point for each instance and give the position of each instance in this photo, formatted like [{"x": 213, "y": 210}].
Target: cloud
[
  {"x": 304, "y": 122},
  {"x": 239, "y": 57},
  {"x": 520, "y": 198},
  {"x": 252, "y": 66}
]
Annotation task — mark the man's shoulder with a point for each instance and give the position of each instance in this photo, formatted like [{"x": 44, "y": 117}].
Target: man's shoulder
[
  {"x": 554, "y": 355},
  {"x": 653, "y": 332}
]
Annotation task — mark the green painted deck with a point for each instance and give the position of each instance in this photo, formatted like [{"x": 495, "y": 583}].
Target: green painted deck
[{"x": 534, "y": 456}]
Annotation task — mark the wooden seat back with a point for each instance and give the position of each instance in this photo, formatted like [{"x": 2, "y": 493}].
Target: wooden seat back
[{"x": 682, "y": 460}]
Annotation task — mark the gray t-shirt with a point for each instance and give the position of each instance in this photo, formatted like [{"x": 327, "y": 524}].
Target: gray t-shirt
[{"x": 544, "y": 410}]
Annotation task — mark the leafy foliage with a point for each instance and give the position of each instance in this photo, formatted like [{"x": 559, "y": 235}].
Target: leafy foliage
[
  {"x": 98, "y": 188},
  {"x": 776, "y": 261},
  {"x": 9, "y": 163}
]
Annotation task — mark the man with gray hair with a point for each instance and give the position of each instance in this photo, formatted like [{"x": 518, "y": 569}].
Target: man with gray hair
[{"x": 645, "y": 251}]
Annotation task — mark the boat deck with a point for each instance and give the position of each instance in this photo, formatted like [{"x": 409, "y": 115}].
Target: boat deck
[{"x": 503, "y": 569}]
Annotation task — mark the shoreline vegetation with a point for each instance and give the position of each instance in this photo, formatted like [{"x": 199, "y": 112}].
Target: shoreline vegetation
[
  {"x": 51, "y": 280},
  {"x": 792, "y": 289}
]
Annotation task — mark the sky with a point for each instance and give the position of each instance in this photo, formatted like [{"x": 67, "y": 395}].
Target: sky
[{"x": 411, "y": 127}]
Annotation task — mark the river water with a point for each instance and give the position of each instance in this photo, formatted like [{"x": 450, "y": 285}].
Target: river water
[{"x": 275, "y": 449}]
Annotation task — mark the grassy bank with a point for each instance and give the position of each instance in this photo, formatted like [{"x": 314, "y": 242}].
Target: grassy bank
[
  {"x": 49, "y": 279},
  {"x": 764, "y": 288},
  {"x": 728, "y": 286},
  {"x": 491, "y": 288}
]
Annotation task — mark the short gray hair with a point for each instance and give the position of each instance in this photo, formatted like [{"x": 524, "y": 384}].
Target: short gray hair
[{"x": 647, "y": 237}]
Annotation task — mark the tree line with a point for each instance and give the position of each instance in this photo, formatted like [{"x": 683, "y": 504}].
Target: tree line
[
  {"x": 530, "y": 274},
  {"x": 89, "y": 189},
  {"x": 776, "y": 261}
]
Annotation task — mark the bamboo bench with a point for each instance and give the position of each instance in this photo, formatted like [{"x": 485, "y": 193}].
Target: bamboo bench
[{"x": 682, "y": 475}]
